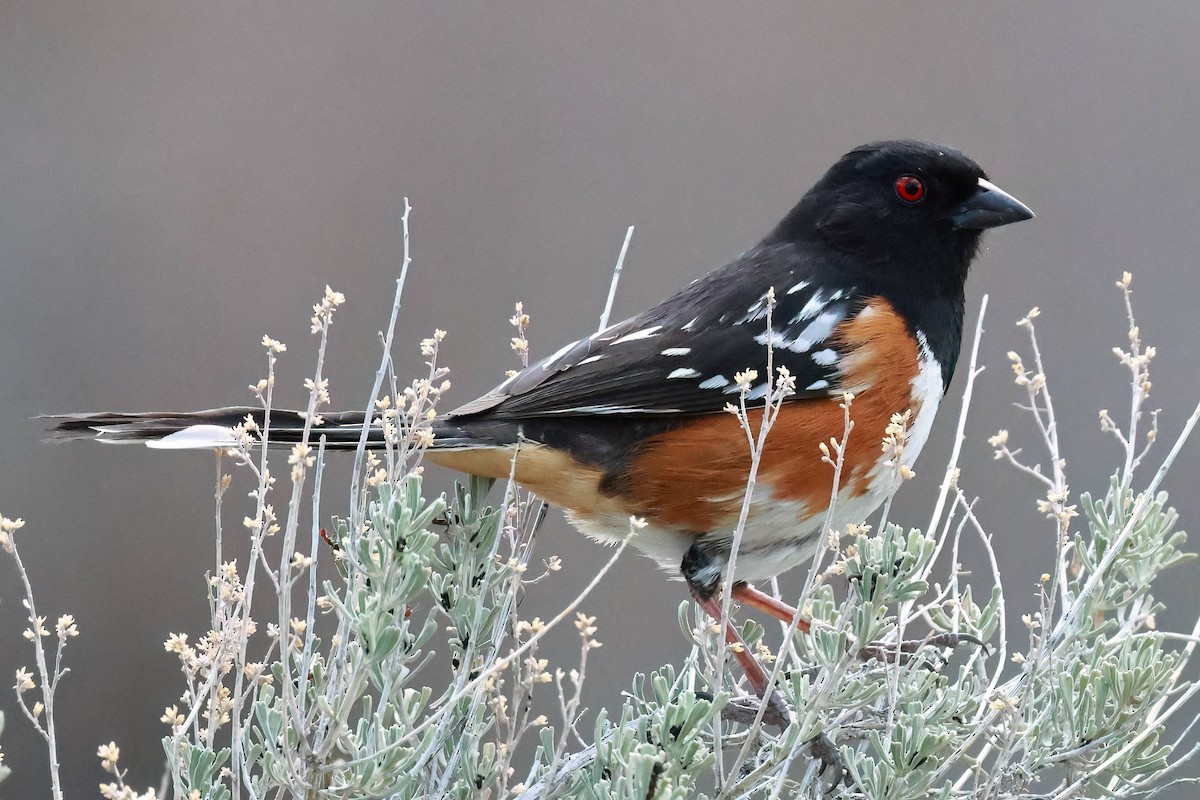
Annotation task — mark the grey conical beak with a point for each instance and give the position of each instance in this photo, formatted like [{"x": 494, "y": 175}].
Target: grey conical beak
[{"x": 989, "y": 207}]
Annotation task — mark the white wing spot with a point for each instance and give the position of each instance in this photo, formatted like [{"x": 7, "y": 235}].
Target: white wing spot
[
  {"x": 797, "y": 287},
  {"x": 684, "y": 372},
  {"x": 599, "y": 336},
  {"x": 818, "y": 330},
  {"x": 825, "y": 357},
  {"x": 644, "y": 333},
  {"x": 688, "y": 326},
  {"x": 811, "y": 308},
  {"x": 590, "y": 359},
  {"x": 758, "y": 392},
  {"x": 817, "y": 385},
  {"x": 676, "y": 351},
  {"x": 778, "y": 340},
  {"x": 715, "y": 382},
  {"x": 755, "y": 312},
  {"x": 549, "y": 364}
]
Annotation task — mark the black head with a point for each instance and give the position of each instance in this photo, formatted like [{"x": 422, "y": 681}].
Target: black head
[{"x": 900, "y": 204}]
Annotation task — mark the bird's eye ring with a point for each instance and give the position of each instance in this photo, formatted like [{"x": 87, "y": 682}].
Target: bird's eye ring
[{"x": 910, "y": 189}]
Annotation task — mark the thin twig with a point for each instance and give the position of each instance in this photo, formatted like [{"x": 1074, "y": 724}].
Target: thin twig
[
  {"x": 960, "y": 435},
  {"x": 360, "y": 451},
  {"x": 1139, "y": 508},
  {"x": 616, "y": 276},
  {"x": 486, "y": 674},
  {"x": 48, "y": 731}
]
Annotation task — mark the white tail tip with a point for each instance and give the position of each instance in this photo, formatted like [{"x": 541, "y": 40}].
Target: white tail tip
[{"x": 197, "y": 437}]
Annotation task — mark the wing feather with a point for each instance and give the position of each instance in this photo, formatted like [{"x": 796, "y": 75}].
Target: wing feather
[{"x": 681, "y": 356}]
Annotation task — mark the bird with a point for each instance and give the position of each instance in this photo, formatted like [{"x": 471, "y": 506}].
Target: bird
[{"x": 863, "y": 285}]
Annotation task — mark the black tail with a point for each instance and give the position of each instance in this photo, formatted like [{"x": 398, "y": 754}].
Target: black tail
[
  {"x": 213, "y": 428},
  {"x": 210, "y": 428}
]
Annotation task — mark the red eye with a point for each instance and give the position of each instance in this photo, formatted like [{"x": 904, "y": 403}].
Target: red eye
[{"x": 909, "y": 188}]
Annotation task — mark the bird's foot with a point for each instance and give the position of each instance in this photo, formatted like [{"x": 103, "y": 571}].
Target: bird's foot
[{"x": 744, "y": 710}]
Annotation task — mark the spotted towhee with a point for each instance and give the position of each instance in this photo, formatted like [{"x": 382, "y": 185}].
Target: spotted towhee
[{"x": 867, "y": 273}]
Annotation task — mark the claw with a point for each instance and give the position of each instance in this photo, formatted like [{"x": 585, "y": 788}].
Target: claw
[
  {"x": 744, "y": 710},
  {"x": 822, "y": 748}
]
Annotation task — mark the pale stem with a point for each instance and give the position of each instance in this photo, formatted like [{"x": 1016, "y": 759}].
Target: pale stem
[
  {"x": 361, "y": 450},
  {"x": 960, "y": 434},
  {"x": 486, "y": 674},
  {"x": 1144, "y": 499},
  {"x": 47, "y": 682},
  {"x": 616, "y": 277},
  {"x": 288, "y": 690}
]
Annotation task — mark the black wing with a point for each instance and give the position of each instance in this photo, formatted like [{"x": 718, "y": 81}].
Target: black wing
[{"x": 681, "y": 356}]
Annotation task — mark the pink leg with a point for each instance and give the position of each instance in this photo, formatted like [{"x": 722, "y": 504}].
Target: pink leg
[
  {"x": 777, "y": 711},
  {"x": 748, "y": 595}
]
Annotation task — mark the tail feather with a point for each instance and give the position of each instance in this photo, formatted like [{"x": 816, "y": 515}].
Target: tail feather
[
  {"x": 209, "y": 428},
  {"x": 213, "y": 428}
]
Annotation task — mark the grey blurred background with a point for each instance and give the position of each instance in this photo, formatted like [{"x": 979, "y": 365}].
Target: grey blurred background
[{"x": 178, "y": 179}]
